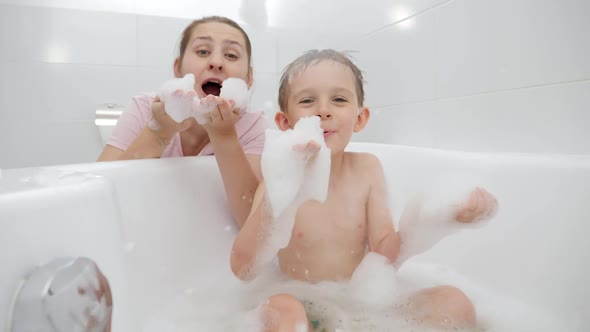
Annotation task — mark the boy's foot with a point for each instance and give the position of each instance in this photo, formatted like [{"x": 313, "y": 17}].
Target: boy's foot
[{"x": 480, "y": 205}]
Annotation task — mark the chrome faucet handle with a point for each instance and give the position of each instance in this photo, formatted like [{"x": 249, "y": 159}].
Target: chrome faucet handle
[{"x": 68, "y": 294}]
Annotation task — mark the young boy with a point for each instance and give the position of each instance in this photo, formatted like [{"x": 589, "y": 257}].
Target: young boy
[{"x": 355, "y": 215}]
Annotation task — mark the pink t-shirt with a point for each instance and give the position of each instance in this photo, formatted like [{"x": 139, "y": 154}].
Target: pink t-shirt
[{"x": 250, "y": 128}]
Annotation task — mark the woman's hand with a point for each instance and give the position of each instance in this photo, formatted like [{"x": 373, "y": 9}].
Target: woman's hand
[
  {"x": 164, "y": 126},
  {"x": 223, "y": 118}
]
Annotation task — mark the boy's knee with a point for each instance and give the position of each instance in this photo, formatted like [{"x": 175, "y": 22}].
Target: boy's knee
[
  {"x": 446, "y": 307},
  {"x": 283, "y": 312},
  {"x": 458, "y": 306}
]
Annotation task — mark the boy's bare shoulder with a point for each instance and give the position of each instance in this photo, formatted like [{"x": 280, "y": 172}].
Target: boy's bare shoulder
[{"x": 365, "y": 161}]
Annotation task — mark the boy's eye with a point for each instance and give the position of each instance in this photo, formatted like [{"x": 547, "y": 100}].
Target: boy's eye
[
  {"x": 306, "y": 101},
  {"x": 340, "y": 100}
]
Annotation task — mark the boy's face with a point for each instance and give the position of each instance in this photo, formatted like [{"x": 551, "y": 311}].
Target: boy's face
[{"x": 326, "y": 89}]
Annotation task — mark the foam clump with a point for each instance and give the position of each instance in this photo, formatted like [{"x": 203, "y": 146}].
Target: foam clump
[
  {"x": 289, "y": 173},
  {"x": 374, "y": 282},
  {"x": 430, "y": 217},
  {"x": 294, "y": 172},
  {"x": 177, "y": 95},
  {"x": 181, "y": 101},
  {"x": 232, "y": 88},
  {"x": 235, "y": 89}
]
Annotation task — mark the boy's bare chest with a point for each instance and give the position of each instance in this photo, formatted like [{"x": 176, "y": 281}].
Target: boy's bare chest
[{"x": 342, "y": 216}]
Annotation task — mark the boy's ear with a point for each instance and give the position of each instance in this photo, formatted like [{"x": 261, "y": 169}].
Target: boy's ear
[
  {"x": 282, "y": 121},
  {"x": 361, "y": 119},
  {"x": 176, "y": 68}
]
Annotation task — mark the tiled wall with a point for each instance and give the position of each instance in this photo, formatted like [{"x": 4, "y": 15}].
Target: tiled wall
[
  {"x": 58, "y": 65},
  {"x": 476, "y": 75},
  {"x": 481, "y": 75}
]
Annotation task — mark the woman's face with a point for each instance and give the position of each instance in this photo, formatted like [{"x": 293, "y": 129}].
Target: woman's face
[{"x": 215, "y": 51}]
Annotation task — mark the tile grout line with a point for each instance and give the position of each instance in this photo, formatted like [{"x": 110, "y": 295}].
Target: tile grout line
[
  {"x": 403, "y": 20},
  {"x": 484, "y": 93}
]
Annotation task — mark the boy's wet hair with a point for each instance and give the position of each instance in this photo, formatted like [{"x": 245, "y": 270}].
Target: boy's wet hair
[
  {"x": 186, "y": 34},
  {"x": 313, "y": 57}
]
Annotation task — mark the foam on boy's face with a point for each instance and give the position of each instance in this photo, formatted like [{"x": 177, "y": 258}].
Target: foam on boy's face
[{"x": 326, "y": 89}]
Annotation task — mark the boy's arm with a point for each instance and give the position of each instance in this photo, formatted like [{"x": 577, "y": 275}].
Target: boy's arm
[
  {"x": 383, "y": 239},
  {"x": 251, "y": 236}
]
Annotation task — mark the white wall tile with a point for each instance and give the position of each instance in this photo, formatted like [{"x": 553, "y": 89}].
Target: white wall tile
[
  {"x": 265, "y": 94},
  {"x": 149, "y": 79},
  {"x": 497, "y": 45},
  {"x": 264, "y": 49},
  {"x": 63, "y": 92},
  {"x": 66, "y": 36},
  {"x": 551, "y": 119},
  {"x": 399, "y": 62},
  {"x": 126, "y": 6},
  {"x": 406, "y": 124},
  {"x": 293, "y": 43},
  {"x": 158, "y": 39},
  {"x": 353, "y": 18},
  {"x": 33, "y": 143}
]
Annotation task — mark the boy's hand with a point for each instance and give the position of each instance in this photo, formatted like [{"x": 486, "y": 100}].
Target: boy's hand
[
  {"x": 308, "y": 150},
  {"x": 480, "y": 205}
]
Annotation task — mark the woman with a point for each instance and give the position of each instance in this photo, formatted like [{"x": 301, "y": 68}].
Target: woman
[{"x": 213, "y": 49}]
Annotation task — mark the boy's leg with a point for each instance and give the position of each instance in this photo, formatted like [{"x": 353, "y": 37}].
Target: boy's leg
[
  {"x": 444, "y": 307},
  {"x": 284, "y": 313}
]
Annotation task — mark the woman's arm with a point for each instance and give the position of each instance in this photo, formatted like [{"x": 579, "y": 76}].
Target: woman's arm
[
  {"x": 146, "y": 142},
  {"x": 241, "y": 173}
]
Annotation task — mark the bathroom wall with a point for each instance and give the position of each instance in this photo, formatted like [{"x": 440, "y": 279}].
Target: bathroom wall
[
  {"x": 482, "y": 75},
  {"x": 474, "y": 75}
]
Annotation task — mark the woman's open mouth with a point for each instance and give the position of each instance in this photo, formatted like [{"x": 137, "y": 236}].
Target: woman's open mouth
[{"x": 211, "y": 87}]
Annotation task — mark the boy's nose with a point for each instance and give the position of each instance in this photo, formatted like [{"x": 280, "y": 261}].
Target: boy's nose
[{"x": 324, "y": 111}]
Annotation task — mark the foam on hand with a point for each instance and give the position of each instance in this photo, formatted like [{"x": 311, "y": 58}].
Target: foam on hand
[
  {"x": 235, "y": 89},
  {"x": 288, "y": 173},
  {"x": 429, "y": 218},
  {"x": 232, "y": 88},
  {"x": 177, "y": 95},
  {"x": 202, "y": 108},
  {"x": 291, "y": 177}
]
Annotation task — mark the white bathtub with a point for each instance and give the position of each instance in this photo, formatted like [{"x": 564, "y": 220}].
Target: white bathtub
[{"x": 162, "y": 228}]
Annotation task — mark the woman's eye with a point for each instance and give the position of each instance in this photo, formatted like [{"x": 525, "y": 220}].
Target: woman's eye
[
  {"x": 202, "y": 52},
  {"x": 232, "y": 56}
]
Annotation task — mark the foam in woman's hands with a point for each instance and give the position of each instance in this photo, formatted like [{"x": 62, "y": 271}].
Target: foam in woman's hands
[
  {"x": 177, "y": 95},
  {"x": 235, "y": 89},
  {"x": 232, "y": 88},
  {"x": 202, "y": 107}
]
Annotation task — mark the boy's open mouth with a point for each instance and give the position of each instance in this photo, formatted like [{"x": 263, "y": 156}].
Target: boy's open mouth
[{"x": 211, "y": 88}]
